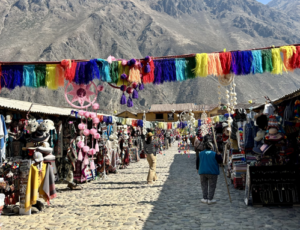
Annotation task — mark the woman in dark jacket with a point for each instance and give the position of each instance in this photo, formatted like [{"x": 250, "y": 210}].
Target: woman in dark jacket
[{"x": 150, "y": 150}]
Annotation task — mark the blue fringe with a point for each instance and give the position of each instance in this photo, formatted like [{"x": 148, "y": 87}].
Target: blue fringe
[
  {"x": 104, "y": 70},
  {"x": 29, "y": 76},
  {"x": 169, "y": 70},
  {"x": 247, "y": 62},
  {"x": 92, "y": 70},
  {"x": 180, "y": 69},
  {"x": 13, "y": 75},
  {"x": 236, "y": 62},
  {"x": 257, "y": 62},
  {"x": 81, "y": 74}
]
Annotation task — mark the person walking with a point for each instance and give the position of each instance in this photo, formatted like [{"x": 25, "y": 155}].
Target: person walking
[
  {"x": 150, "y": 149},
  {"x": 208, "y": 169}
]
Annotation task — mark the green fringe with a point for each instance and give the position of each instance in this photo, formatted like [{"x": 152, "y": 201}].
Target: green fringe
[
  {"x": 267, "y": 60},
  {"x": 114, "y": 72},
  {"x": 40, "y": 71},
  {"x": 190, "y": 65}
]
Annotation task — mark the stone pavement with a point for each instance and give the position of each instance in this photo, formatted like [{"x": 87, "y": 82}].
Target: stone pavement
[{"x": 125, "y": 201}]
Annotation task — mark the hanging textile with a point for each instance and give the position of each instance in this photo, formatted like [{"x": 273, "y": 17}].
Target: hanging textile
[
  {"x": 180, "y": 69},
  {"x": 29, "y": 76},
  {"x": 201, "y": 69},
  {"x": 51, "y": 81},
  {"x": 40, "y": 72}
]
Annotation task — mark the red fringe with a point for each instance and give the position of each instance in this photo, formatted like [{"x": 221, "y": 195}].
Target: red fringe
[
  {"x": 295, "y": 59},
  {"x": 148, "y": 77},
  {"x": 225, "y": 59},
  {"x": 70, "y": 69}
]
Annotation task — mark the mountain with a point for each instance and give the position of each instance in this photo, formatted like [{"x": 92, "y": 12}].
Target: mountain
[
  {"x": 290, "y": 7},
  {"x": 48, "y": 30}
]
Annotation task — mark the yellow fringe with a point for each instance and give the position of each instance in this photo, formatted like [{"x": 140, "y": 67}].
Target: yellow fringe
[
  {"x": 288, "y": 52},
  {"x": 201, "y": 69},
  {"x": 277, "y": 61},
  {"x": 51, "y": 81},
  {"x": 134, "y": 75},
  {"x": 121, "y": 71},
  {"x": 60, "y": 75}
]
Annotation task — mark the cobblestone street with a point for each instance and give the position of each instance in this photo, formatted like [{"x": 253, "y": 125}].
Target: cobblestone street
[{"x": 125, "y": 201}]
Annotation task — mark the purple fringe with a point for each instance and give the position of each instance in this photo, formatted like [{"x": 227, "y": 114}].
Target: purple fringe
[
  {"x": 141, "y": 86},
  {"x": 82, "y": 75},
  {"x": 13, "y": 76},
  {"x": 158, "y": 78},
  {"x": 135, "y": 94},
  {"x": 123, "y": 100},
  {"x": 236, "y": 62},
  {"x": 169, "y": 70},
  {"x": 129, "y": 102},
  {"x": 147, "y": 68}
]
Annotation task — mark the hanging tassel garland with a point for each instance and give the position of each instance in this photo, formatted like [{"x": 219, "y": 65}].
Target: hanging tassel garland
[
  {"x": 40, "y": 72},
  {"x": 123, "y": 100},
  {"x": 29, "y": 76},
  {"x": 134, "y": 75},
  {"x": 267, "y": 60},
  {"x": 122, "y": 70},
  {"x": 288, "y": 53},
  {"x": 81, "y": 75},
  {"x": 277, "y": 61},
  {"x": 104, "y": 70},
  {"x": 257, "y": 62},
  {"x": 190, "y": 65},
  {"x": 92, "y": 71},
  {"x": 18, "y": 76},
  {"x": 135, "y": 94},
  {"x": 214, "y": 65},
  {"x": 148, "y": 77},
  {"x": 114, "y": 71},
  {"x": 225, "y": 59},
  {"x": 201, "y": 69},
  {"x": 180, "y": 69},
  {"x": 70, "y": 69},
  {"x": 247, "y": 62},
  {"x": 158, "y": 73},
  {"x": 129, "y": 102},
  {"x": 12, "y": 76},
  {"x": 60, "y": 75},
  {"x": 236, "y": 62},
  {"x": 51, "y": 81}
]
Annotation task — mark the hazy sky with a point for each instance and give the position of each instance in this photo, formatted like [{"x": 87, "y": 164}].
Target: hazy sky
[{"x": 264, "y": 1}]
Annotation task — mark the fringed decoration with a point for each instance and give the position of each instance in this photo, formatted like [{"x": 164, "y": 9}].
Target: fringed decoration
[
  {"x": 135, "y": 94},
  {"x": 92, "y": 70},
  {"x": 60, "y": 75},
  {"x": 134, "y": 75},
  {"x": 190, "y": 65},
  {"x": 12, "y": 76},
  {"x": 288, "y": 53},
  {"x": 122, "y": 70},
  {"x": 1, "y": 78},
  {"x": 104, "y": 70},
  {"x": 141, "y": 86},
  {"x": 225, "y": 59},
  {"x": 236, "y": 62},
  {"x": 247, "y": 62},
  {"x": 51, "y": 81},
  {"x": 123, "y": 100},
  {"x": 81, "y": 75},
  {"x": 295, "y": 59},
  {"x": 201, "y": 69},
  {"x": 70, "y": 69},
  {"x": 267, "y": 60},
  {"x": 168, "y": 70},
  {"x": 158, "y": 73},
  {"x": 129, "y": 102},
  {"x": 180, "y": 69},
  {"x": 40, "y": 72},
  {"x": 214, "y": 65},
  {"x": 257, "y": 62},
  {"x": 29, "y": 76},
  {"x": 148, "y": 77},
  {"x": 114, "y": 71},
  {"x": 277, "y": 61}
]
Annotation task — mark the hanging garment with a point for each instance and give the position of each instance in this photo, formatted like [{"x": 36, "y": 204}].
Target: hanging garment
[
  {"x": 48, "y": 186},
  {"x": 58, "y": 146},
  {"x": 3, "y": 137}
]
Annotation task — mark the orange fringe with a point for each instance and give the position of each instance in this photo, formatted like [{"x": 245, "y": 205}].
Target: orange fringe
[
  {"x": 60, "y": 75},
  {"x": 214, "y": 65},
  {"x": 134, "y": 75}
]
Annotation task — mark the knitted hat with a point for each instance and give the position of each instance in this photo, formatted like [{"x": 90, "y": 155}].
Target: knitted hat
[{"x": 273, "y": 122}]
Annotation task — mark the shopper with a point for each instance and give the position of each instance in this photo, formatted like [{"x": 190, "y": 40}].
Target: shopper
[
  {"x": 150, "y": 149},
  {"x": 208, "y": 169}
]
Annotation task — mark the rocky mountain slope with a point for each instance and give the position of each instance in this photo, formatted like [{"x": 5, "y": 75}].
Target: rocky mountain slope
[
  {"x": 44, "y": 30},
  {"x": 290, "y": 7}
]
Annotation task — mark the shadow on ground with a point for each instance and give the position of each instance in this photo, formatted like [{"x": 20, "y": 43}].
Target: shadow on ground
[{"x": 179, "y": 206}]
